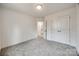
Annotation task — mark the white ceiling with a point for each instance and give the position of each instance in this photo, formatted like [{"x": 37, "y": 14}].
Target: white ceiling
[{"x": 29, "y": 8}]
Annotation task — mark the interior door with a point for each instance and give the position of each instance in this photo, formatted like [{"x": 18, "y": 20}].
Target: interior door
[{"x": 59, "y": 29}]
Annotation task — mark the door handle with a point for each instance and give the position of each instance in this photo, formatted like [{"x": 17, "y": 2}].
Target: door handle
[{"x": 59, "y": 31}]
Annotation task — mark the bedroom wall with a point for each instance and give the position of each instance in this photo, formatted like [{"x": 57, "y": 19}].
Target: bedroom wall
[
  {"x": 71, "y": 12},
  {"x": 17, "y": 27},
  {"x": 77, "y": 11},
  {"x": 0, "y": 28}
]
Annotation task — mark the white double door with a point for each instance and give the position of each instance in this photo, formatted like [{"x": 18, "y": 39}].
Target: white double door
[{"x": 58, "y": 29}]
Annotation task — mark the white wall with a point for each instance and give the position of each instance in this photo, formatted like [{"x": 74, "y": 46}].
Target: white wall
[
  {"x": 0, "y": 28},
  {"x": 77, "y": 11},
  {"x": 71, "y": 12},
  {"x": 17, "y": 27}
]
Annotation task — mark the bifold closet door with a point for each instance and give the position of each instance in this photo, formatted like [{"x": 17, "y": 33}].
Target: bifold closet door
[{"x": 58, "y": 29}]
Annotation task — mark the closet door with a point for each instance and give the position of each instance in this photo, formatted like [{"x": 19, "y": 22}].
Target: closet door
[{"x": 58, "y": 29}]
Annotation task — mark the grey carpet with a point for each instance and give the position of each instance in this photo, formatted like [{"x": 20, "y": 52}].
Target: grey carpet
[{"x": 39, "y": 47}]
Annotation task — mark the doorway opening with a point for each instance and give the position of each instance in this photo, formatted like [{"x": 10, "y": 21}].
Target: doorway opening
[{"x": 40, "y": 26}]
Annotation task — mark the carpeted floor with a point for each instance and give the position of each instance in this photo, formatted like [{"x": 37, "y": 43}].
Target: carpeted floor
[{"x": 39, "y": 47}]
